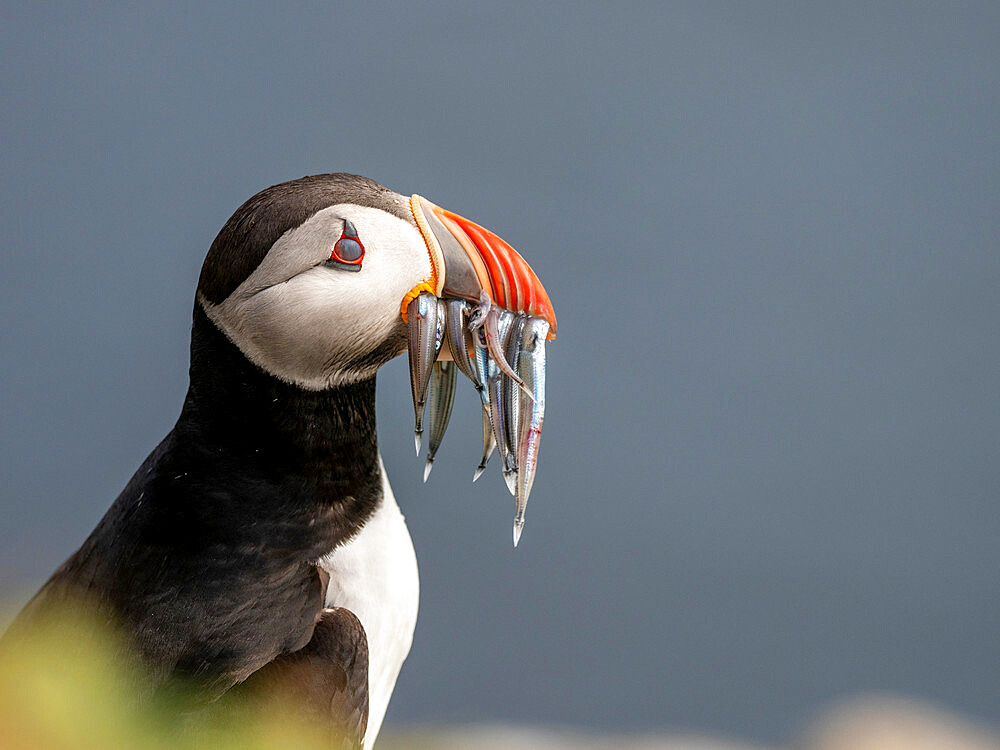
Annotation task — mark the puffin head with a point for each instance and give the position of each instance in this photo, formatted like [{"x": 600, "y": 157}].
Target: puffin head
[
  {"x": 322, "y": 280},
  {"x": 311, "y": 278}
]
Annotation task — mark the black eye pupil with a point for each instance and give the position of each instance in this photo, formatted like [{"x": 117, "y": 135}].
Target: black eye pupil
[{"x": 348, "y": 249}]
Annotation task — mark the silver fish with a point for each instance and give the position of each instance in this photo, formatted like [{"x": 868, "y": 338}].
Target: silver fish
[
  {"x": 531, "y": 367},
  {"x": 511, "y": 397},
  {"x": 424, "y": 333},
  {"x": 460, "y": 340},
  {"x": 481, "y": 362},
  {"x": 489, "y": 443},
  {"x": 497, "y": 324},
  {"x": 440, "y": 324},
  {"x": 502, "y": 321},
  {"x": 478, "y": 315},
  {"x": 494, "y": 386},
  {"x": 440, "y": 398}
]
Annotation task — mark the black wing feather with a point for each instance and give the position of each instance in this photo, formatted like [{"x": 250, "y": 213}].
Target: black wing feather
[{"x": 327, "y": 680}]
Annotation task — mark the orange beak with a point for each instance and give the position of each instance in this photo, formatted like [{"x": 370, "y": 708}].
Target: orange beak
[{"x": 468, "y": 260}]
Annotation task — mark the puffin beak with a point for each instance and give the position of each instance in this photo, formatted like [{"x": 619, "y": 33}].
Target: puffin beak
[{"x": 486, "y": 303}]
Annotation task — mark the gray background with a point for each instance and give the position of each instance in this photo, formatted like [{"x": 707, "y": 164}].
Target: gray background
[{"x": 771, "y": 461}]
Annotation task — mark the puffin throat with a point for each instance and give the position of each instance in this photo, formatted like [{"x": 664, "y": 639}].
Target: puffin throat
[{"x": 319, "y": 447}]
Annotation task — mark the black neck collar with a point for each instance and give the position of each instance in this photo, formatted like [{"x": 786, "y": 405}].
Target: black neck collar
[{"x": 316, "y": 449}]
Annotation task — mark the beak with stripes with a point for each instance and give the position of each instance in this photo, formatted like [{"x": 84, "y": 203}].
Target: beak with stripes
[{"x": 484, "y": 313}]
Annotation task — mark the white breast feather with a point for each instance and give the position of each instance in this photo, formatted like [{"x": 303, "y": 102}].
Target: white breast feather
[{"x": 375, "y": 576}]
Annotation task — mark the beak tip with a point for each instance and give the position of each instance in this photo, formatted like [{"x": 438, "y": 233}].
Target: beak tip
[
  {"x": 417, "y": 434},
  {"x": 427, "y": 468}
]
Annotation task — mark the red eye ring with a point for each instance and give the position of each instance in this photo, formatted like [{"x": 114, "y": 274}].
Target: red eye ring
[{"x": 348, "y": 252}]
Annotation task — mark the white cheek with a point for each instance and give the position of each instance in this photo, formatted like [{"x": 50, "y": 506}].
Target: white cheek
[
  {"x": 306, "y": 329},
  {"x": 301, "y": 329}
]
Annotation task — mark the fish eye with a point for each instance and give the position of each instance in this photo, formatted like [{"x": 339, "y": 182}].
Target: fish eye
[{"x": 348, "y": 252}]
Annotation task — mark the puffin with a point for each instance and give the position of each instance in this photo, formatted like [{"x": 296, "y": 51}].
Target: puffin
[{"x": 260, "y": 544}]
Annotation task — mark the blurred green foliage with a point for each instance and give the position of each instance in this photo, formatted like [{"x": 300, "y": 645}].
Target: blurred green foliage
[{"x": 69, "y": 684}]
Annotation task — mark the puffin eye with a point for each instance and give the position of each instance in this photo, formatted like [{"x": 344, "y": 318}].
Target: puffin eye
[{"x": 348, "y": 251}]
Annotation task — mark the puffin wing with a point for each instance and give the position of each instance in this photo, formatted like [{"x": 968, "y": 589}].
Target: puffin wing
[{"x": 327, "y": 680}]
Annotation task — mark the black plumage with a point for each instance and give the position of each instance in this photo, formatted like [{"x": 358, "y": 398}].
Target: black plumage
[{"x": 208, "y": 558}]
